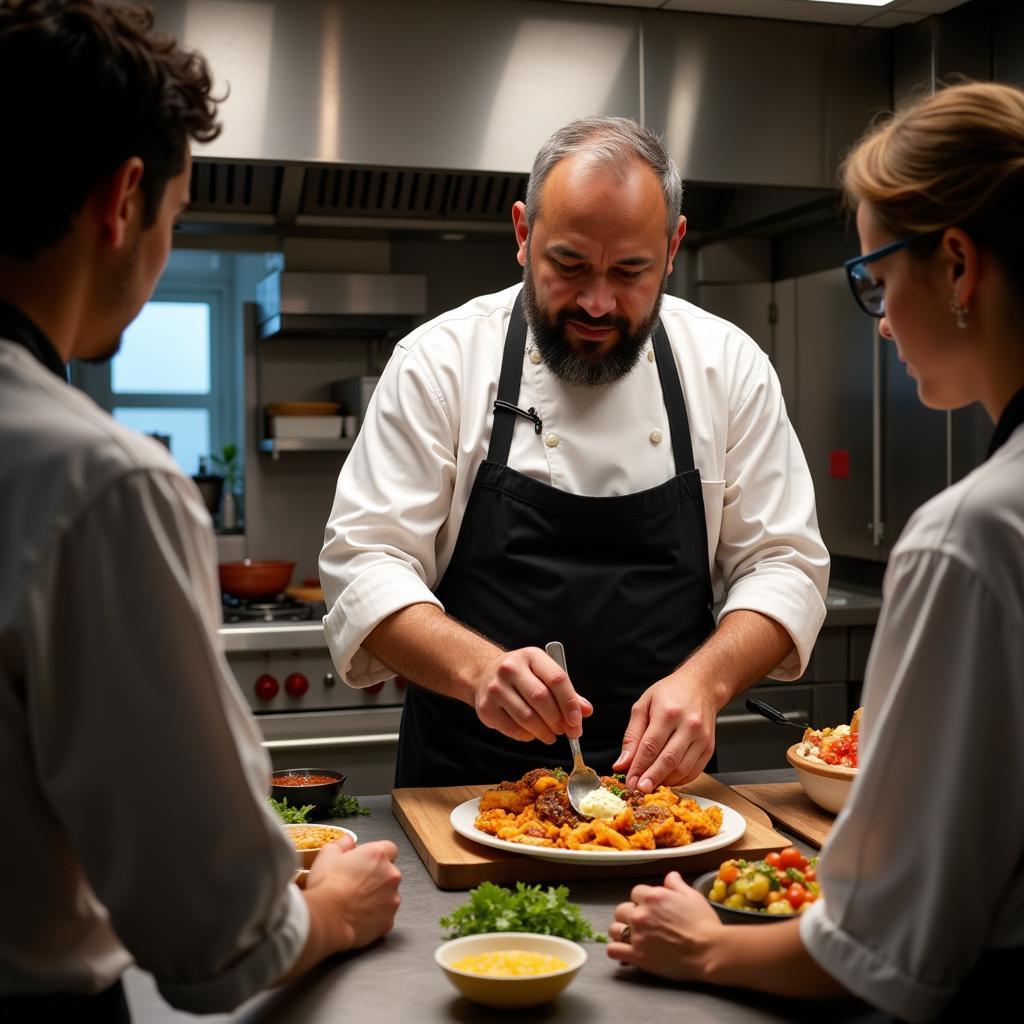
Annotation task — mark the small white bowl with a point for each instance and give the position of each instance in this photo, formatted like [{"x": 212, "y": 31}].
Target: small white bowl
[
  {"x": 528, "y": 990},
  {"x": 826, "y": 784},
  {"x": 306, "y": 857}
]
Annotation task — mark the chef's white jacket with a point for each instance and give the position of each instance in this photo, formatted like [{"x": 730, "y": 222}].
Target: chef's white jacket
[
  {"x": 404, "y": 487},
  {"x": 137, "y": 821},
  {"x": 922, "y": 870}
]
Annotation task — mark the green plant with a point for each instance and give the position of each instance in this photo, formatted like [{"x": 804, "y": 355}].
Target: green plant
[
  {"x": 288, "y": 814},
  {"x": 345, "y": 806},
  {"x": 527, "y": 908},
  {"x": 230, "y": 466}
]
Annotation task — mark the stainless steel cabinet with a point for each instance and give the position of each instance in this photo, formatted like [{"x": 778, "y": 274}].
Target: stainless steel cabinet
[
  {"x": 875, "y": 452},
  {"x": 748, "y": 742}
]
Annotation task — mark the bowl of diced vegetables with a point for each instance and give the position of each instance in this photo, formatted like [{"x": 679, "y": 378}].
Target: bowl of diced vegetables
[{"x": 776, "y": 888}]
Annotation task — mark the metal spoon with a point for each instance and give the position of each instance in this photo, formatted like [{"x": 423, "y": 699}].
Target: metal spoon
[
  {"x": 582, "y": 780},
  {"x": 772, "y": 714}
]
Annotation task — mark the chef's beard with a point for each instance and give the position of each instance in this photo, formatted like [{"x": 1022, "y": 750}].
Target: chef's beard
[{"x": 578, "y": 366}]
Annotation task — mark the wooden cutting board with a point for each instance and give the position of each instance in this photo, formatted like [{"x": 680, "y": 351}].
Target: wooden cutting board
[
  {"x": 458, "y": 863},
  {"x": 789, "y": 806}
]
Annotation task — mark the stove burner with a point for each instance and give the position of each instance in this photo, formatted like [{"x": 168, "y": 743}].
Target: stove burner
[{"x": 265, "y": 609}]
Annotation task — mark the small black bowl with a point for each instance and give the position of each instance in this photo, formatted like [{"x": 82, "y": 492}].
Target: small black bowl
[
  {"x": 320, "y": 794},
  {"x": 732, "y": 915}
]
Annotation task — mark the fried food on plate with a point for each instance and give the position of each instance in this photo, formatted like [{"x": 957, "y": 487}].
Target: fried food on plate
[{"x": 535, "y": 811}]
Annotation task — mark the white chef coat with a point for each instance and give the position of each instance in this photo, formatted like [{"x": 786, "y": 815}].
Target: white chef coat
[
  {"x": 923, "y": 867},
  {"x": 404, "y": 487},
  {"x": 135, "y": 780}
]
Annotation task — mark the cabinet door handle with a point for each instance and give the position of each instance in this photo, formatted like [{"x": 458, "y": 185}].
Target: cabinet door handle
[{"x": 800, "y": 717}]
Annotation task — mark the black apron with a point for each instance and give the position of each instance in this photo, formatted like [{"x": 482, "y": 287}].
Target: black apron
[{"x": 622, "y": 581}]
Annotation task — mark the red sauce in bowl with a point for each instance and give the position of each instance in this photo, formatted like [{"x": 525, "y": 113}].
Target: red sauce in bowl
[{"x": 303, "y": 780}]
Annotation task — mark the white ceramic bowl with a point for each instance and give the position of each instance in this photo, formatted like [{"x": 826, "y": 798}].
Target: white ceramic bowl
[
  {"x": 827, "y": 785},
  {"x": 306, "y": 857},
  {"x": 529, "y": 990}
]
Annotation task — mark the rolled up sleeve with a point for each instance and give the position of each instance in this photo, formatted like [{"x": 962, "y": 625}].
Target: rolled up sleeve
[
  {"x": 770, "y": 553},
  {"x": 394, "y": 495}
]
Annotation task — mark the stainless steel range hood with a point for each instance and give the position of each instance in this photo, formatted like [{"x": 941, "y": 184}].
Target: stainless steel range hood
[
  {"x": 392, "y": 115},
  {"x": 307, "y": 304}
]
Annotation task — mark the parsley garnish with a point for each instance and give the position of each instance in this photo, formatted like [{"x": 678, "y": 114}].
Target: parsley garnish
[
  {"x": 559, "y": 774},
  {"x": 528, "y": 908},
  {"x": 290, "y": 815},
  {"x": 617, "y": 790},
  {"x": 346, "y": 806}
]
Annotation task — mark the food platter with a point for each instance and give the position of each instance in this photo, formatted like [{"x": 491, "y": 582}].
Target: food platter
[{"x": 733, "y": 827}]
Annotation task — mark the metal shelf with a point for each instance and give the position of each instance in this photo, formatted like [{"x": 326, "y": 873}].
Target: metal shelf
[{"x": 276, "y": 445}]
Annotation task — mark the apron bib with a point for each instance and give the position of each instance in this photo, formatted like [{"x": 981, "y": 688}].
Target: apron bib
[{"x": 622, "y": 581}]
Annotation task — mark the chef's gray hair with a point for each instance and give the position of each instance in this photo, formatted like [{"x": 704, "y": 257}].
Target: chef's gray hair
[{"x": 614, "y": 142}]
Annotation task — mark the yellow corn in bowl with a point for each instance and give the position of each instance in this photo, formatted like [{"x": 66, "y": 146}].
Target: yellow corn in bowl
[{"x": 520, "y": 962}]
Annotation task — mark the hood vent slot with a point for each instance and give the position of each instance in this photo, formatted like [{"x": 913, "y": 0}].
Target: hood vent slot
[
  {"x": 235, "y": 188},
  {"x": 372, "y": 192}
]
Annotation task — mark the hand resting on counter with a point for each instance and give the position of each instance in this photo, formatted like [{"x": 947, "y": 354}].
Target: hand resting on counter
[{"x": 352, "y": 897}]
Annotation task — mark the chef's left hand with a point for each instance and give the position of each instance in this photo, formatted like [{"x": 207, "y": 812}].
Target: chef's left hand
[
  {"x": 671, "y": 733},
  {"x": 672, "y": 928}
]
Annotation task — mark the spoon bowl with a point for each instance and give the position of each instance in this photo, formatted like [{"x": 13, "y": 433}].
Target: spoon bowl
[{"x": 582, "y": 780}]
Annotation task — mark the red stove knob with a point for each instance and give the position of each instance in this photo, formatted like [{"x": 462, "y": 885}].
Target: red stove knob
[
  {"x": 375, "y": 688},
  {"x": 266, "y": 687},
  {"x": 296, "y": 684}
]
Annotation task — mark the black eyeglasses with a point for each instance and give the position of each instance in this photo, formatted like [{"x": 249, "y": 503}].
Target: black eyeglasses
[{"x": 869, "y": 293}]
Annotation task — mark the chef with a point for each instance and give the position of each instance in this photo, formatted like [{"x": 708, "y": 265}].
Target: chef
[{"x": 584, "y": 459}]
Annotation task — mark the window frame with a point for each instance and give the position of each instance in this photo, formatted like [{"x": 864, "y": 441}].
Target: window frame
[{"x": 225, "y": 397}]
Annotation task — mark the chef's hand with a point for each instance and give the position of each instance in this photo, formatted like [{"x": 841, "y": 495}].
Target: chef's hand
[
  {"x": 356, "y": 888},
  {"x": 671, "y": 733},
  {"x": 672, "y": 929},
  {"x": 526, "y": 695}
]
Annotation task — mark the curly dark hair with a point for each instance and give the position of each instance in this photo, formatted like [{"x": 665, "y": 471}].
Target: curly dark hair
[{"x": 87, "y": 84}]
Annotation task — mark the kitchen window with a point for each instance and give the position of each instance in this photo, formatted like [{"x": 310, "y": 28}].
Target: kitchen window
[{"x": 178, "y": 374}]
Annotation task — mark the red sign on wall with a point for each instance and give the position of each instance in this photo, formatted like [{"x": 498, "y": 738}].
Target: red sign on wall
[{"x": 839, "y": 464}]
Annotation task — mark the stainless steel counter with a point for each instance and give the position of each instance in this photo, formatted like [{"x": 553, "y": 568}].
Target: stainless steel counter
[
  {"x": 397, "y": 981},
  {"x": 844, "y": 606},
  {"x": 849, "y": 607}
]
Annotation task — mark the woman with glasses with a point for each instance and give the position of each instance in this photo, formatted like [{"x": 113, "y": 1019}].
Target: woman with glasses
[{"x": 923, "y": 874}]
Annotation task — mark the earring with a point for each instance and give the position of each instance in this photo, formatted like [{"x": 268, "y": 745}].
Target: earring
[{"x": 960, "y": 311}]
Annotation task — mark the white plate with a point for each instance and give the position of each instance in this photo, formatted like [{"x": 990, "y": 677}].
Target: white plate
[{"x": 733, "y": 827}]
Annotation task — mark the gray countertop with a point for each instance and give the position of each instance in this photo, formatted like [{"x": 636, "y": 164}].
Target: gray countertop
[{"x": 396, "y": 980}]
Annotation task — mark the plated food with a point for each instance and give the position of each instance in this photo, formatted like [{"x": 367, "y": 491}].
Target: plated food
[
  {"x": 510, "y": 969},
  {"x": 533, "y": 815},
  {"x": 784, "y": 883},
  {"x": 826, "y": 761},
  {"x": 309, "y": 840},
  {"x": 836, "y": 746}
]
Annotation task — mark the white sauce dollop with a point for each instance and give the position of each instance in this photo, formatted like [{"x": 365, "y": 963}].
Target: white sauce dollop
[{"x": 602, "y": 803}]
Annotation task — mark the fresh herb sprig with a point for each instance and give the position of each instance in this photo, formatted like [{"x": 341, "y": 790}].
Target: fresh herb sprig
[
  {"x": 345, "y": 806},
  {"x": 527, "y": 908},
  {"x": 290, "y": 815}
]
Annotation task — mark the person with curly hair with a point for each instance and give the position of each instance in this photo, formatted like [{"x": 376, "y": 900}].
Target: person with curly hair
[{"x": 139, "y": 828}]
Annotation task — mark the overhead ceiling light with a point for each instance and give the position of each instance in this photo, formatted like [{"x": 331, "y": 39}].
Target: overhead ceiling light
[{"x": 855, "y": 3}]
